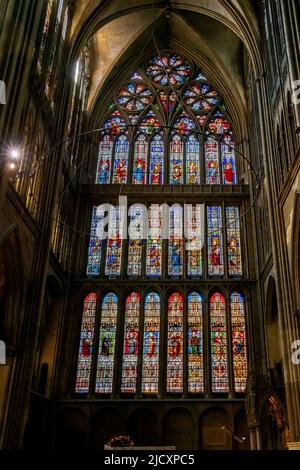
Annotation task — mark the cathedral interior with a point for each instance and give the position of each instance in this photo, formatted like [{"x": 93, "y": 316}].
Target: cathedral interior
[{"x": 150, "y": 223}]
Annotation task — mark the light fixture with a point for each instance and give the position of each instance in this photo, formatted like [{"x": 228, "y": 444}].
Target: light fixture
[
  {"x": 12, "y": 166},
  {"x": 15, "y": 153}
]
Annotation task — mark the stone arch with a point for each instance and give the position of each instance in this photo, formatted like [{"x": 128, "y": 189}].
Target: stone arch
[
  {"x": 70, "y": 429},
  {"x": 179, "y": 429},
  {"x": 105, "y": 424},
  {"x": 144, "y": 428},
  {"x": 212, "y": 437}
]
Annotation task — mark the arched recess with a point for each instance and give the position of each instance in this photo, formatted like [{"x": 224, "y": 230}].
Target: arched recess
[
  {"x": 273, "y": 422},
  {"x": 179, "y": 429},
  {"x": 271, "y": 328},
  {"x": 11, "y": 307},
  {"x": 105, "y": 424},
  {"x": 212, "y": 437},
  {"x": 48, "y": 335},
  {"x": 70, "y": 430},
  {"x": 144, "y": 427}
]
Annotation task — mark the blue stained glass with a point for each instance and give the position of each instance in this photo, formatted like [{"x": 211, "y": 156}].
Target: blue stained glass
[
  {"x": 96, "y": 242},
  {"x": 192, "y": 160},
  {"x": 175, "y": 264},
  {"x": 239, "y": 349},
  {"x": 114, "y": 242},
  {"x": 121, "y": 160},
  {"x": 176, "y": 160},
  {"x": 175, "y": 344},
  {"x": 218, "y": 338},
  {"x": 140, "y": 160},
  {"x": 131, "y": 343},
  {"x": 194, "y": 229},
  {"x": 233, "y": 241},
  {"x": 156, "y": 159},
  {"x": 107, "y": 341},
  {"x": 154, "y": 242},
  {"x": 215, "y": 241},
  {"x": 104, "y": 160},
  {"x": 212, "y": 165},
  {"x": 135, "y": 244}
]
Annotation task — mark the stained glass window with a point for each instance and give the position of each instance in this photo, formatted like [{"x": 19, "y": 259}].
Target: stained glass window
[
  {"x": 96, "y": 242},
  {"x": 121, "y": 159},
  {"x": 239, "y": 351},
  {"x": 134, "y": 96},
  {"x": 195, "y": 343},
  {"x": 175, "y": 258},
  {"x": 176, "y": 160},
  {"x": 192, "y": 150},
  {"x": 104, "y": 160},
  {"x": 154, "y": 242},
  {"x": 175, "y": 344},
  {"x": 228, "y": 160},
  {"x": 86, "y": 344},
  {"x": 219, "y": 125},
  {"x": 194, "y": 230},
  {"x": 150, "y": 373},
  {"x": 131, "y": 343},
  {"x": 45, "y": 34},
  {"x": 114, "y": 242},
  {"x": 167, "y": 100},
  {"x": 212, "y": 166},
  {"x": 183, "y": 125},
  {"x": 218, "y": 337},
  {"x": 140, "y": 160},
  {"x": 233, "y": 241},
  {"x": 156, "y": 159},
  {"x": 107, "y": 341},
  {"x": 215, "y": 241},
  {"x": 115, "y": 124},
  {"x": 200, "y": 97},
  {"x": 150, "y": 123},
  {"x": 135, "y": 244},
  {"x": 169, "y": 70}
]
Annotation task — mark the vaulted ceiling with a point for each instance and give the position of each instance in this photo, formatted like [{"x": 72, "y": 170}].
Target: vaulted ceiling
[{"x": 217, "y": 35}]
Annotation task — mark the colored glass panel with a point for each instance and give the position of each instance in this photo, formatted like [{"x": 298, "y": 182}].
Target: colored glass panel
[
  {"x": 228, "y": 160},
  {"x": 194, "y": 230},
  {"x": 212, "y": 165},
  {"x": 131, "y": 343},
  {"x": 195, "y": 343},
  {"x": 156, "y": 159},
  {"x": 192, "y": 160},
  {"x": 96, "y": 242},
  {"x": 169, "y": 69},
  {"x": 215, "y": 241},
  {"x": 107, "y": 342},
  {"x": 218, "y": 338},
  {"x": 115, "y": 124},
  {"x": 239, "y": 350},
  {"x": 233, "y": 241},
  {"x": 175, "y": 344},
  {"x": 86, "y": 344},
  {"x": 150, "y": 373},
  {"x": 200, "y": 97},
  {"x": 104, "y": 160},
  {"x": 121, "y": 159},
  {"x": 150, "y": 123},
  {"x": 114, "y": 242},
  {"x": 168, "y": 100},
  {"x": 219, "y": 125},
  {"x": 175, "y": 258},
  {"x": 183, "y": 125},
  {"x": 134, "y": 96},
  {"x": 176, "y": 160},
  {"x": 140, "y": 160},
  {"x": 135, "y": 247},
  {"x": 154, "y": 242}
]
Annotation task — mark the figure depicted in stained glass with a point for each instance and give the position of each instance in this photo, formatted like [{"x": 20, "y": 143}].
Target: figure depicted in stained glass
[
  {"x": 218, "y": 343},
  {"x": 131, "y": 343},
  {"x": 150, "y": 123},
  {"x": 228, "y": 160},
  {"x": 86, "y": 344},
  {"x": 175, "y": 343},
  {"x": 151, "y": 343},
  {"x": 154, "y": 242},
  {"x": 215, "y": 241},
  {"x": 194, "y": 231},
  {"x": 176, "y": 160},
  {"x": 156, "y": 159},
  {"x": 96, "y": 243},
  {"x": 233, "y": 241},
  {"x": 239, "y": 351},
  {"x": 192, "y": 160},
  {"x": 218, "y": 125}
]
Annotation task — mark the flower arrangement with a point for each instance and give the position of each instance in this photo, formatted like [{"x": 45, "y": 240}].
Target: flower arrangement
[{"x": 120, "y": 441}]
